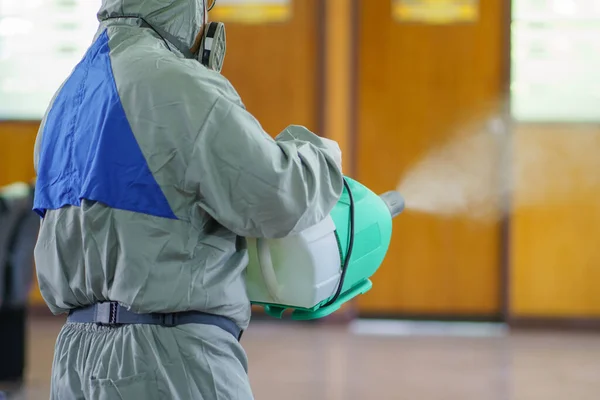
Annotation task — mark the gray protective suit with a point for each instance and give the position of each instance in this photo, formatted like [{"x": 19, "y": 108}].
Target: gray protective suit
[{"x": 150, "y": 175}]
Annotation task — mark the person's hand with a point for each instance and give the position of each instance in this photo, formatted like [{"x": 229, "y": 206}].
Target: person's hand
[{"x": 297, "y": 132}]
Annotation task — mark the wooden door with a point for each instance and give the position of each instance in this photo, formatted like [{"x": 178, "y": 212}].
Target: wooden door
[
  {"x": 416, "y": 84},
  {"x": 17, "y": 140},
  {"x": 275, "y": 67}
]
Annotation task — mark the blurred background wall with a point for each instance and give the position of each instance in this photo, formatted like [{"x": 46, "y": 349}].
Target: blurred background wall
[{"x": 388, "y": 86}]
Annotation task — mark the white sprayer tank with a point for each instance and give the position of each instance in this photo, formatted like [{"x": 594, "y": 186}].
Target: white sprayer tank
[{"x": 300, "y": 270}]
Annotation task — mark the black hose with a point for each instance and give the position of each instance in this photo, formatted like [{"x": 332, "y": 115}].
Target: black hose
[{"x": 349, "y": 252}]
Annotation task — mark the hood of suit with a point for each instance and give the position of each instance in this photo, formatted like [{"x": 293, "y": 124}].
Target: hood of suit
[{"x": 180, "y": 19}]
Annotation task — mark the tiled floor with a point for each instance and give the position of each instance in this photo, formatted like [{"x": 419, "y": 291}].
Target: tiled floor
[{"x": 333, "y": 363}]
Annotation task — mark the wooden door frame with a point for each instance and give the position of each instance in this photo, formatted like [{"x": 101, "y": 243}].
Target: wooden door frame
[{"x": 505, "y": 223}]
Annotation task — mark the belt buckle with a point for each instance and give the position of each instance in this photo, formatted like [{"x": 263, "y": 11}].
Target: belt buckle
[
  {"x": 107, "y": 313},
  {"x": 168, "y": 320}
]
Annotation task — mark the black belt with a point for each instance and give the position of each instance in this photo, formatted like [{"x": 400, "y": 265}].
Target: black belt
[{"x": 111, "y": 313}]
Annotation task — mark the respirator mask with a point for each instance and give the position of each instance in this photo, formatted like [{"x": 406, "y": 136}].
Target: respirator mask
[
  {"x": 209, "y": 48},
  {"x": 211, "y": 52}
]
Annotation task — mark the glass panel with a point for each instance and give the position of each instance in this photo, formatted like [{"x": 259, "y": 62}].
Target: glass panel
[
  {"x": 556, "y": 60},
  {"x": 40, "y": 43}
]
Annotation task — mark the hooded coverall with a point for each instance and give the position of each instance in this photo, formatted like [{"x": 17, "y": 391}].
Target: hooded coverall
[{"x": 151, "y": 174}]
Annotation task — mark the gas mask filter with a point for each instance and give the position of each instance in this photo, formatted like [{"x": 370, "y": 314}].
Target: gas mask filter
[{"x": 213, "y": 47}]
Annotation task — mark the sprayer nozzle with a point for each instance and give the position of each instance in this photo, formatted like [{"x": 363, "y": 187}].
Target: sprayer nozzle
[{"x": 394, "y": 201}]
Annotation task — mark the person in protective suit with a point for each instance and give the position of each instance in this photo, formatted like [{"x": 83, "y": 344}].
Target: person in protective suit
[{"x": 150, "y": 175}]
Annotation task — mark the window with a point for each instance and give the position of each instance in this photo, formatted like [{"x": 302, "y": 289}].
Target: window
[
  {"x": 40, "y": 43},
  {"x": 556, "y": 61}
]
